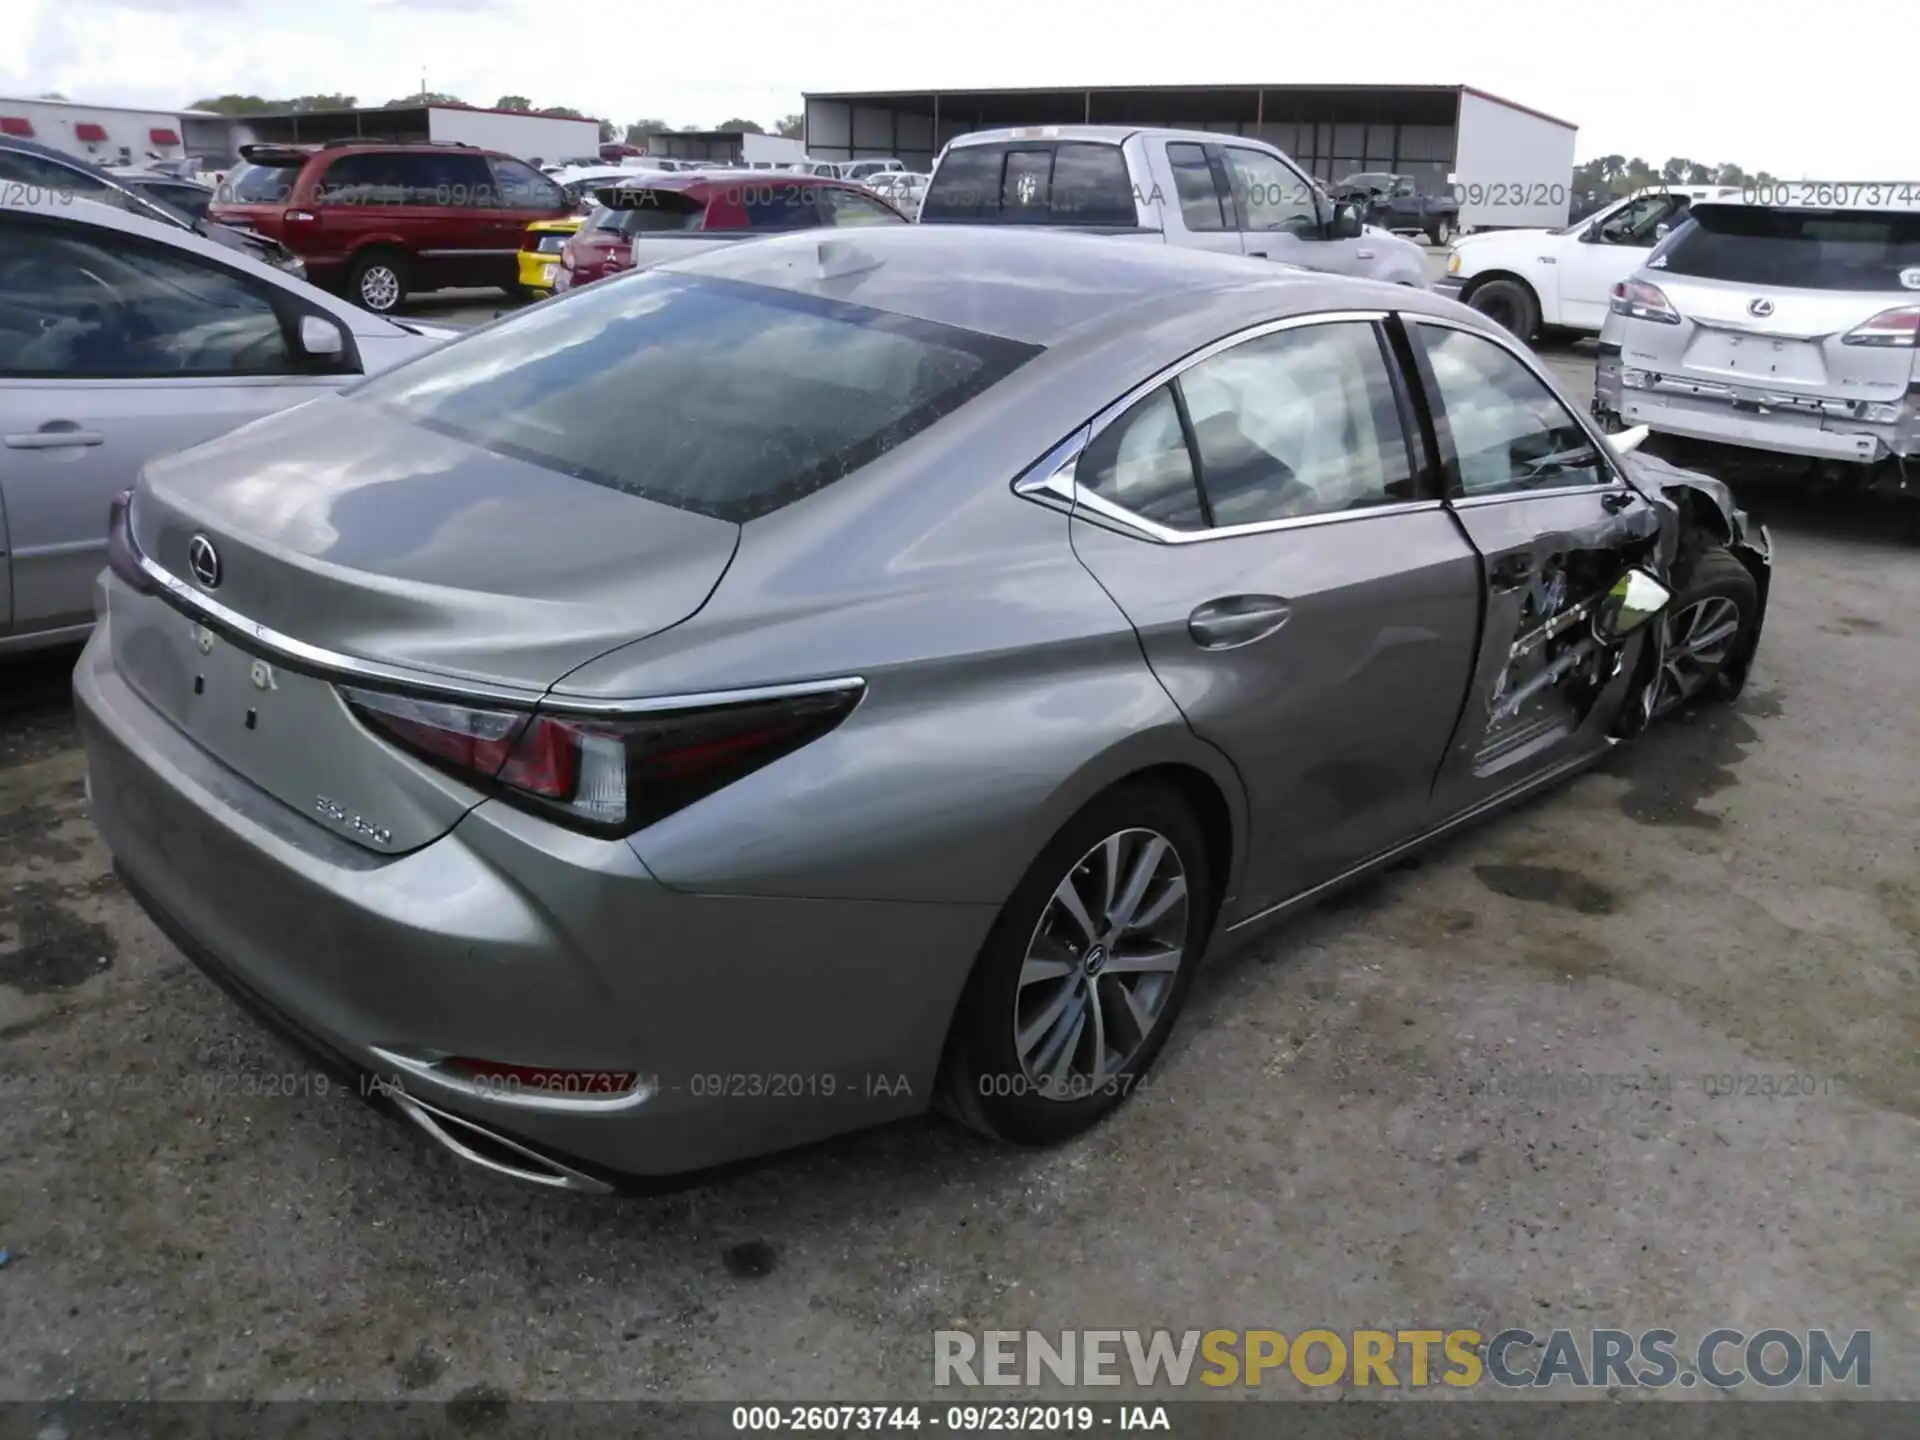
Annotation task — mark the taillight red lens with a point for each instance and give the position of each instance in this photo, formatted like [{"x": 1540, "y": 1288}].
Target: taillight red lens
[
  {"x": 612, "y": 775},
  {"x": 1638, "y": 300},
  {"x": 1898, "y": 328}
]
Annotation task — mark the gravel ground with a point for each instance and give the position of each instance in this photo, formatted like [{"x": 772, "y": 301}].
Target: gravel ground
[{"x": 1367, "y": 1117}]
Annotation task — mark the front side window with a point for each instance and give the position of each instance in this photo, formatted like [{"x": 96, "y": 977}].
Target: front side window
[
  {"x": 1510, "y": 432},
  {"x": 727, "y": 399},
  {"x": 1636, "y": 223},
  {"x": 1270, "y": 195},
  {"x": 1141, "y": 463},
  {"x": 1300, "y": 422},
  {"x": 106, "y": 306}
]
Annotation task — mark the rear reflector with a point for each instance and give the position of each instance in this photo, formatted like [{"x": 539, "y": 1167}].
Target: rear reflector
[
  {"x": 606, "y": 776},
  {"x": 1897, "y": 328},
  {"x": 540, "y": 1080}
]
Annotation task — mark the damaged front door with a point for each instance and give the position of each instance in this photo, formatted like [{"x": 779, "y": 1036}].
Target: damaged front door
[{"x": 1556, "y": 525}]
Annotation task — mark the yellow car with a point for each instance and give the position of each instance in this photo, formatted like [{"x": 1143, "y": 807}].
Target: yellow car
[{"x": 540, "y": 254}]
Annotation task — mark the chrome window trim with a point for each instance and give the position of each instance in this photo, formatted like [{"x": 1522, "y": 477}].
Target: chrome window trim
[
  {"x": 1532, "y": 366},
  {"x": 336, "y": 666},
  {"x": 1051, "y": 480}
]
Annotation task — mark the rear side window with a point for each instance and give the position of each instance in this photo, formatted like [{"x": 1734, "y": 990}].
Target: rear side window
[
  {"x": 1807, "y": 249},
  {"x": 1193, "y": 182},
  {"x": 726, "y": 399},
  {"x": 261, "y": 184},
  {"x": 1021, "y": 182}
]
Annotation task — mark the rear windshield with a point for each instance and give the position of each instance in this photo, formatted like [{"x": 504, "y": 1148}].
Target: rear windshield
[
  {"x": 1807, "y": 249},
  {"x": 636, "y": 211},
  {"x": 261, "y": 184},
  {"x": 726, "y": 399},
  {"x": 1023, "y": 182}
]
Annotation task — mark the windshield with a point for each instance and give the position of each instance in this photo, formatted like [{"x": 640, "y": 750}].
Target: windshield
[
  {"x": 726, "y": 399},
  {"x": 1805, "y": 249}
]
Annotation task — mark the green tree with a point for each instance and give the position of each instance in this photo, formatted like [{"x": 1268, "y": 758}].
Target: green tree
[
  {"x": 1729, "y": 175},
  {"x": 1674, "y": 172},
  {"x": 638, "y": 131},
  {"x": 513, "y": 102},
  {"x": 609, "y": 132},
  {"x": 424, "y": 97},
  {"x": 793, "y": 127},
  {"x": 260, "y": 105},
  {"x": 562, "y": 112},
  {"x": 1698, "y": 174},
  {"x": 746, "y": 127}
]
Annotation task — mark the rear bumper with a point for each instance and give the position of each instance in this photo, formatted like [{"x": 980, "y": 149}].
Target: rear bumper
[
  {"x": 537, "y": 271},
  {"x": 1769, "y": 428},
  {"x": 758, "y": 1023}
]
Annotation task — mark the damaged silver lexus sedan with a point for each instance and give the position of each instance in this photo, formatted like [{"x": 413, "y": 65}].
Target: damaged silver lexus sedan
[{"x": 764, "y": 696}]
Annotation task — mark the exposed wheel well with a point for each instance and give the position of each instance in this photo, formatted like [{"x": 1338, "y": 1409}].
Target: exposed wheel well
[{"x": 1200, "y": 791}]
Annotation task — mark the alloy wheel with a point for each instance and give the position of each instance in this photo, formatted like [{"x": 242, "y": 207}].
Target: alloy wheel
[
  {"x": 1101, "y": 964},
  {"x": 379, "y": 287},
  {"x": 1699, "y": 638}
]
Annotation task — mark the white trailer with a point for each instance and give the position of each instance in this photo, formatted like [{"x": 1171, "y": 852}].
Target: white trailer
[
  {"x": 1512, "y": 167},
  {"x": 514, "y": 132},
  {"x": 770, "y": 149},
  {"x": 109, "y": 134}
]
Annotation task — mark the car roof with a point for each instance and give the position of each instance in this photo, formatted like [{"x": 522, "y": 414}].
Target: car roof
[
  {"x": 688, "y": 180},
  {"x": 1101, "y": 134},
  {"x": 1028, "y": 284}
]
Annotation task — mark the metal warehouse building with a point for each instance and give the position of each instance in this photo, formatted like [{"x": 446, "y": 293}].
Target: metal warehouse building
[
  {"x": 513, "y": 132},
  {"x": 1512, "y": 165}
]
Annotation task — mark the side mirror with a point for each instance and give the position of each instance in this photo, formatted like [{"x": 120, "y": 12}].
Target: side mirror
[
  {"x": 320, "y": 338},
  {"x": 1345, "y": 223},
  {"x": 1591, "y": 235},
  {"x": 1635, "y": 599},
  {"x": 1660, "y": 230}
]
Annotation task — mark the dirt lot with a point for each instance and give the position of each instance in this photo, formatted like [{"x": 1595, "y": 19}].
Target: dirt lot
[{"x": 1374, "y": 1116}]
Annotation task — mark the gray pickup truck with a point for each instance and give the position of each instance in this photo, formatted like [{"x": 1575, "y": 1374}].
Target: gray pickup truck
[{"x": 1195, "y": 188}]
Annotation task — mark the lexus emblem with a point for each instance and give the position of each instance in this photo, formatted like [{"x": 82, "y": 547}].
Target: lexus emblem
[
  {"x": 204, "y": 561},
  {"x": 1760, "y": 306}
]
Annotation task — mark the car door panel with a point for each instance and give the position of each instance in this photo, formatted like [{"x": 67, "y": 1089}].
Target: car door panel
[
  {"x": 6, "y": 570},
  {"x": 1281, "y": 217},
  {"x": 1554, "y": 525},
  {"x": 1337, "y": 718},
  {"x": 1313, "y": 614},
  {"x": 57, "y": 496}
]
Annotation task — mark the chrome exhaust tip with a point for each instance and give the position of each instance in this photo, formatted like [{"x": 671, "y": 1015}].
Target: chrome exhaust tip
[{"x": 489, "y": 1150}]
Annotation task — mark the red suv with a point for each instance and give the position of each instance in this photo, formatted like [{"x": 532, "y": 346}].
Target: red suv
[
  {"x": 641, "y": 223},
  {"x": 381, "y": 221}
]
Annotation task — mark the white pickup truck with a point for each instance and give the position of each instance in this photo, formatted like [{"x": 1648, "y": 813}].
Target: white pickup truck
[
  {"x": 1200, "y": 189},
  {"x": 1544, "y": 280}
]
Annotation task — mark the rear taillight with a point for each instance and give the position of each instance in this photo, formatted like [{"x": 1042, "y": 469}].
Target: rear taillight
[
  {"x": 123, "y": 556},
  {"x": 1638, "y": 300},
  {"x": 607, "y": 776},
  {"x": 1898, "y": 328}
]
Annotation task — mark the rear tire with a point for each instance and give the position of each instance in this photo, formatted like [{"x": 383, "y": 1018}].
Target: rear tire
[
  {"x": 1509, "y": 304},
  {"x": 1440, "y": 231},
  {"x": 377, "y": 281},
  {"x": 1709, "y": 627},
  {"x": 1058, "y": 1023}
]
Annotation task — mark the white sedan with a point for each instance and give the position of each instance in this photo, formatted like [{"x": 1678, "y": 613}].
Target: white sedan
[{"x": 122, "y": 339}]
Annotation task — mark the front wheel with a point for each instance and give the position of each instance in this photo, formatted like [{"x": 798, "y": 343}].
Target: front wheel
[
  {"x": 1510, "y": 305},
  {"x": 1440, "y": 231},
  {"x": 1707, "y": 626},
  {"x": 1083, "y": 974}
]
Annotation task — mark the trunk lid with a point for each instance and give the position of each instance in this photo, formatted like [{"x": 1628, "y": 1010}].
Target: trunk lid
[
  {"x": 1767, "y": 298},
  {"x": 340, "y": 527},
  {"x": 350, "y": 530}
]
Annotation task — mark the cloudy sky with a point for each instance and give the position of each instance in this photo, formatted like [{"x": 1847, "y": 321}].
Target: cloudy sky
[{"x": 1764, "y": 85}]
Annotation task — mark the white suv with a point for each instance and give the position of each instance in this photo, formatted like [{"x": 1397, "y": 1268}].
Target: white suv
[{"x": 1533, "y": 280}]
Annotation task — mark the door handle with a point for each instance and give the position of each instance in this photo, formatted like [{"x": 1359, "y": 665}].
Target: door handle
[
  {"x": 1614, "y": 501},
  {"x": 1364, "y": 254},
  {"x": 1237, "y": 620},
  {"x": 1260, "y": 254},
  {"x": 1509, "y": 573},
  {"x": 48, "y": 437}
]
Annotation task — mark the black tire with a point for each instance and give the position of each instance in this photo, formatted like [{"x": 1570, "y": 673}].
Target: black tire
[
  {"x": 378, "y": 281},
  {"x": 525, "y": 294},
  {"x": 1708, "y": 575},
  {"x": 984, "y": 1084},
  {"x": 1440, "y": 229},
  {"x": 1510, "y": 304}
]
